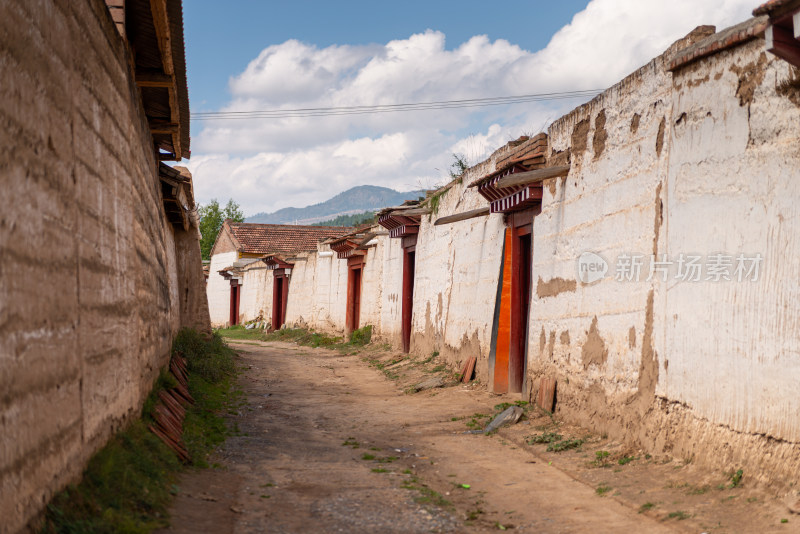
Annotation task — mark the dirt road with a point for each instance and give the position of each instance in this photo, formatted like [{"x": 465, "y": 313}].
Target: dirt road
[{"x": 329, "y": 444}]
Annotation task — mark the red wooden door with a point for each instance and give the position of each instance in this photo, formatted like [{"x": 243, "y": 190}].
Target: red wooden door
[
  {"x": 234, "y": 315},
  {"x": 409, "y": 257}
]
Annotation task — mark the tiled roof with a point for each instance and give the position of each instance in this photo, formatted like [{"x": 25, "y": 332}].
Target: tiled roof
[
  {"x": 281, "y": 238},
  {"x": 767, "y": 8}
]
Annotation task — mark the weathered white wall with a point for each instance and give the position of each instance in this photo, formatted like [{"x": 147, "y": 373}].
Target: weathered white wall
[
  {"x": 218, "y": 289},
  {"x": 699, "y": 162},
  {"x": 732, "y": 349},
  {"x": 256, "y": 293},
  {"x": 455, "y": 286},
  {"x": 318, "y": 292}
]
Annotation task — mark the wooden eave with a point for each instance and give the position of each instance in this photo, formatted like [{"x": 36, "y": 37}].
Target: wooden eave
[
  {"x": 403, "y": 223},
  {"x": 173, "y": 192},
  {"x": 347, "y": 247},
  {"x": 155, "y": 33},
  {"x": 276, "y": 262},
  {"x": 782, "y": 32}
]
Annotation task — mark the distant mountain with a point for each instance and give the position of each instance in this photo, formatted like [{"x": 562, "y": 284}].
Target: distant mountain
[{"x": 356, "y": 200}]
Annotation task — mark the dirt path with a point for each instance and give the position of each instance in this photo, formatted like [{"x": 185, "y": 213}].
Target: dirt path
[{"x": 299, "y": 464}]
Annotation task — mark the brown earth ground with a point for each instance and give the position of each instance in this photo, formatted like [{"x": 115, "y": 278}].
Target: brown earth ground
[{"x": 335, "y": 442}]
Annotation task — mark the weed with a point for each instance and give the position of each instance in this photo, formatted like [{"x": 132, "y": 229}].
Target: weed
[
  {"x": 379, "y": 470},
  {"x": 472, "y": 515},
  {"x": 680, "y": 515},
  {"x": 361, "y": 336},
  {"x": 601, "y": 458},
  {"x": 736, "y": 478},
  {"x": 387, "y": 460},
  {"x": 374, "y": 448},
  {"x": 266, "y": 496},
  {"x": 545, "y": 437},
  {"x": 406, "y": 471},
  {"x": 697, "y": 490},
  {"x": 625, "y": 460},
  {"x": 646, "y": 507},
  {"x": 784, "y": 520},
  {"x": 430, "y": 358},
  {"x": 240, "y": 332},
  {"x": 565, "y": 445},
  {"x": 602, "y": 489},
  {"x": 351, "y": 442},
  {"x": 367, "y": 456}
]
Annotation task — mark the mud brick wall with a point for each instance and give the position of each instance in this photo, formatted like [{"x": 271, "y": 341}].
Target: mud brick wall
[
  {"x": 90, "y": 290},
  {"x": 699, "y": 160}
]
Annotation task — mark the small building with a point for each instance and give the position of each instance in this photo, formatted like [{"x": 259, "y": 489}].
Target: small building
[{"x": 240, "y": 284}]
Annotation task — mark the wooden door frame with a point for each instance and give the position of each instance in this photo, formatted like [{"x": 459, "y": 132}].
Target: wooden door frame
[
  {"x": 355, "y": 275},
  {"x": 280, "y": 296},
  {"x": 236, "y": 295},
  {"x": 409, "y": 245}
]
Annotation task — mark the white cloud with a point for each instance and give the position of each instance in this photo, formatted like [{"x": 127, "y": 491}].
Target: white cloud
[{"x": 270, "y": 164}]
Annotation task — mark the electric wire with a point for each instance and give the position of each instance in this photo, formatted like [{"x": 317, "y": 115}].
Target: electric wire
[{"x": 390, "y": 108}]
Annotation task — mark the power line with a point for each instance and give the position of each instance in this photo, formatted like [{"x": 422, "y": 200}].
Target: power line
[{"x": 390, "y": 108}]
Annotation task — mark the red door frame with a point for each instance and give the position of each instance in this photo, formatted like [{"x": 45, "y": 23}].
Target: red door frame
[
  {"x": 280, "y": 297},
  {"x": 512, "y": 333},
  {"x": 355, "y": 267},
  {"x": 235, "y": 298},
  {"x": 409, "y": 265},
  {"x": 522, "y": 240}
]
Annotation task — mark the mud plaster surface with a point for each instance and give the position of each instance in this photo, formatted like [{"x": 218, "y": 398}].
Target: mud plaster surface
[
  {"x": 554, "y": 287},
  {"x": 594, "y": 349},
  {"x": 600, "y": 134},
  {"x": 750, "y": 77}
]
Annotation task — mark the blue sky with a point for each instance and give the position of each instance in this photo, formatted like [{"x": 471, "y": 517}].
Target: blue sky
[
  {"x": 252, "y": 55},
  {"x": 223, "y": 37}
]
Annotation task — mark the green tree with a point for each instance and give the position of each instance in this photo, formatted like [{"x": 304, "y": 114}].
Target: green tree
[{"x": 211, "y": 219}]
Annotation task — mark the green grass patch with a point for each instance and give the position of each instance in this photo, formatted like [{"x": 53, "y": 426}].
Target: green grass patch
[
  {"x": 646, "y": 507},
  {"x": 602, "y": 490},
  {"x": 361, "y": 336},
  {"x": 680, "y": 515},
  {"x": 128, "y": 485},
  {"x": 545, "y": 437},
  {"x": 564, "y": 445},
  {"x": 240, "y": 332}
]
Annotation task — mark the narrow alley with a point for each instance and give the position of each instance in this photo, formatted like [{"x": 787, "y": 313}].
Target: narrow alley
[{"x": 313, "y": 419}]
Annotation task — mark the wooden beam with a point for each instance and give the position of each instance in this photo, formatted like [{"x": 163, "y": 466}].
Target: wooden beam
[
  {"x": 782, "y": 43},
  {"x": 532, "y": 177},
  {"x": 164, "y": 127},
  {"x": 480, "y": 212},
  {"x": 412, "y": 212},
  {"x": 153, "y": 79},
  {"x": 161, "y": 25}
]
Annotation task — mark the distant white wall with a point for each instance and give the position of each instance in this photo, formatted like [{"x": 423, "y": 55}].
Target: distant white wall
[{"x": 218, "y": 289}]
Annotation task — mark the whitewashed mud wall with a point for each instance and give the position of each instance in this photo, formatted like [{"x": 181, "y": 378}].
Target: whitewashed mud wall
[
  {"x": 255, "y": 302},
  {"x": 457, "y": 270},
  {"x": 699, "y": 163},
  {"x": 218, "y": 290},
  {"x": 318, "y": 291}
]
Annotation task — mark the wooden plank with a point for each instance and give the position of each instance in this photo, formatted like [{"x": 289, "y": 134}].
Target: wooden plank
[
  {"x": 412, "y": 212},
  {"x": 164, "y": 127},
  {"x": 469, "y": 369},
  {"x": 161, "y": 25},
  {"x": 532, "y": 177},
  {"x": 471, "y": 214},
  {"x": 545, "y": 398},
  {"x": 153, "y": 79}
]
